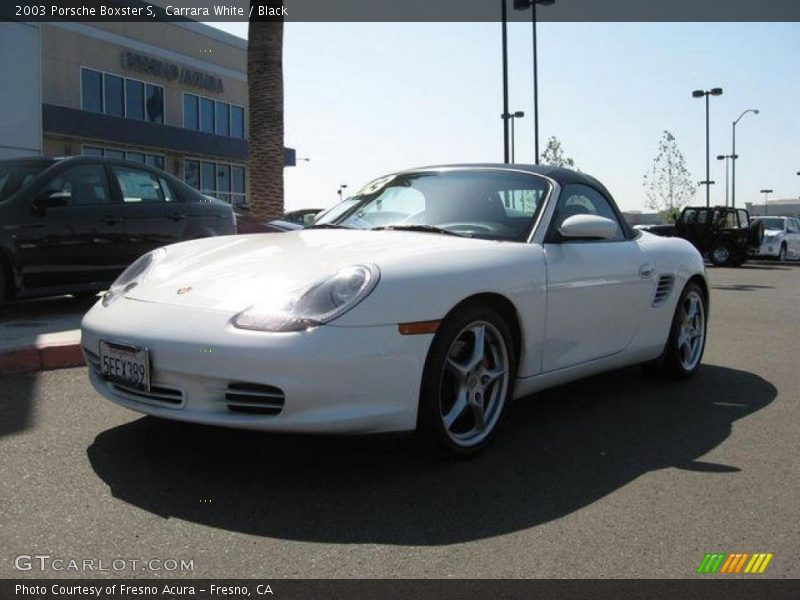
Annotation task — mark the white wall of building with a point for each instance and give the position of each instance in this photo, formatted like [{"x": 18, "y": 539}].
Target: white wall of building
[{"x": 21, "y": 96}]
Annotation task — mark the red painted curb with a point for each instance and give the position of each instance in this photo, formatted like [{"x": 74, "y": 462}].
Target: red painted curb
[{"x": 32, "y": 358}]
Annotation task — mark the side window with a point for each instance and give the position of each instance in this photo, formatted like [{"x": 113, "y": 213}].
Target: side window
[
  {"x": 83, "y": 185},
  {"x": 743, "y": 219},
  {"x": 140, "y": 186},
  {"x": 793, "y": 226},
  {"x": 578, "y": 199}
]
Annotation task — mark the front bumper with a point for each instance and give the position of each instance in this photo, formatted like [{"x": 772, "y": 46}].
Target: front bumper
[{"x": 333, "y": 379}]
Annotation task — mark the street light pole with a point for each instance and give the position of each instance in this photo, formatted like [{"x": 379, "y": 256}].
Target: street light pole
[
  {"x": 524, "y": 5},
  {"x": 766, "y": 194},
  {"x": 733, "y": 152},
  {"x": 512, "y": 117},
  {"x": 504, "y": 17},
  {"x": 700, "y": 94},
  {"x": 726, "y": 157}
]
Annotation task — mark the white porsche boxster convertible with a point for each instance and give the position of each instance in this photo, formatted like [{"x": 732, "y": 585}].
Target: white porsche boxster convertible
[{"x": 427, "y": 301}]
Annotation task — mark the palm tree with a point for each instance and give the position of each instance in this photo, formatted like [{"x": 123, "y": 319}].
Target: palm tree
[{"x": 265, "y": 86}]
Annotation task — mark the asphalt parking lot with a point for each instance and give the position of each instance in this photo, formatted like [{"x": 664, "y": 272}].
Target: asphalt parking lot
[{"x": 614, "y": 476}]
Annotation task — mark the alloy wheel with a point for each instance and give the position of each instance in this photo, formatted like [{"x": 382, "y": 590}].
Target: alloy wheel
[
  {"x": 474, "y": 384},
  {"x": 692, "y": 333}
]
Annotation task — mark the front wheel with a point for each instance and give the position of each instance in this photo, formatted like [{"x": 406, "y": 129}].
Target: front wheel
[
  {"x": 721, "y": 254},
  {"x": 467, "y": 382},
  {"x": 687, "y": 337}
]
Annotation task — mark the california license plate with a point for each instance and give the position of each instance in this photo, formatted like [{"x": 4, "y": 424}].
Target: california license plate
[{"x": 128, "y": 366}]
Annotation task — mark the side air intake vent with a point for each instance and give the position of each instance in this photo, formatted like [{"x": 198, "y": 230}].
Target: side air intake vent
[
  {"x": 254, "y": 398},
  {"x": 663, "y": 289}
]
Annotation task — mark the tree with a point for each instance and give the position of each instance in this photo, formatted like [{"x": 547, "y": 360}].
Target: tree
[
  {"x": 668, "y": 183},
  {"x": 554, "y": 155},
  {"x": 265, "y": 88}
]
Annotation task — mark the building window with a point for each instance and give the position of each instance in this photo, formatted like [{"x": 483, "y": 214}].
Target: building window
[
  {"x": 154, "y": 102},
  {"x": 223, "y": 181},
  {"x": 212, "y": 116},
  {"x": 222, "y": 118},
  {"x": 191, "y": 173},
  {"x": 191, "y": 112},
  {"x": 121, "y": 97},
  {"x": 134, "y": 99},
  {"x": 115, "y": 153},
  {"x": 135, "y": 156},
  {"x": 92, "y": 151},
  {"x": 91, "y": 90},
  {"x": 237, "y": 186},
  {"x": 206, "y": 115},
  {"x": 208, "y": 178},
  {"x": 156, "y": 160},
  {"x": 237, "y": 122},
  {"x": 114, "y": 91}
]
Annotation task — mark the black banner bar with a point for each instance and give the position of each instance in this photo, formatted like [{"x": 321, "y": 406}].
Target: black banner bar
[
  {"x": 702, "y": 588},
  {"x": 399, "y": 10}
]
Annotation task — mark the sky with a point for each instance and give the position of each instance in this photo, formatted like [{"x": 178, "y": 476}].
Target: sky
[{"x": 366, "y": 99}]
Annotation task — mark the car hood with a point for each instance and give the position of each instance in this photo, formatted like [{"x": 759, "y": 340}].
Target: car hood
[{"x": 234, "y": 272}]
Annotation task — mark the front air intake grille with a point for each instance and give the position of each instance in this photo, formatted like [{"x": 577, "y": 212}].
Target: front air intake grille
[
  {"x": 254, "y": 398},
  {"x": 663, "y": 289},
  {"x": 157, "y": 394}
]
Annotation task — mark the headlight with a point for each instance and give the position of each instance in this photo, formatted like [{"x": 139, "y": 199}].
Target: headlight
[
  {"x": 319, "y": 303},
  {"x": 135, "y": 274}
]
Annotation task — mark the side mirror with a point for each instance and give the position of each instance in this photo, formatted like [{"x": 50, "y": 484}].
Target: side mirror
[
  {"x": 588, "y": 227},
  {"x": 47, "y": 200}
]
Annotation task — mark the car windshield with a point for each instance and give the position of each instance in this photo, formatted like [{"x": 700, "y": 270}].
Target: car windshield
[
  {"x": 15, "y": 176},
  {"x": 772, "y": 224},
  {"x": 488, "y": 204}
]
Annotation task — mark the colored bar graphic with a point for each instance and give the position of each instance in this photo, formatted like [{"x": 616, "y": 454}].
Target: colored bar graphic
[{"x": 734, "y": 563}]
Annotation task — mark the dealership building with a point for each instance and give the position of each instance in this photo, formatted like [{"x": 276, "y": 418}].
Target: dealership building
[{"x": 169, "y": 94}]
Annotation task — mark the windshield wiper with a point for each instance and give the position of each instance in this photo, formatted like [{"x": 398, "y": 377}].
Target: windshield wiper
[
  {"x": 328, "y": 226},
  {"x": 420, "y": 228}
]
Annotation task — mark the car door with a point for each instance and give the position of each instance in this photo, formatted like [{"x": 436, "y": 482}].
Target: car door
[
  {"x": 71, "y": 233},
  {"x": 595, "y": 288},
  {"x": 792, "y": 228},
  {"x": 153, "y": 214}
]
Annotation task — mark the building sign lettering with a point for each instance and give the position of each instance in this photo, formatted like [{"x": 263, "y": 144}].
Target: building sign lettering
[{"x": 155, "y": 67}]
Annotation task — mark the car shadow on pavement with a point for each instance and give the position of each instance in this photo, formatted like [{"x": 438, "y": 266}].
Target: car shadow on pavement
[{"x": 560, "y": 450}]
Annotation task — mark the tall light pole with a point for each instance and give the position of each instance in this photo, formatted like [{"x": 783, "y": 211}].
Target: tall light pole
[
  {"x": 512, "y": 116},
  {"x": 725, "y": 157},
  {"x": 733, "y": 152},
  {"x": 766, "y": 194},
  {"x": 699, "y": 94},
  {"x": 524, "y": 5},
  {"x": 504, "y": 17}
]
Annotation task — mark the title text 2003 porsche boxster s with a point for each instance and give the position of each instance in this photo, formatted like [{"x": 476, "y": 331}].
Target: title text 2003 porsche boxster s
[{"x": 427, "y": 301}]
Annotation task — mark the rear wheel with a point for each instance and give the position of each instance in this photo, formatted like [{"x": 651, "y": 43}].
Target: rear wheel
[
  {"x": 721, "y": 254},
  {"x": 687, "y": 337},
  {"x": 467, "y": 382}
]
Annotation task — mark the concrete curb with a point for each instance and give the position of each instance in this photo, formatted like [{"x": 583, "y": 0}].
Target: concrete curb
[{"x": 30, "y": 359}]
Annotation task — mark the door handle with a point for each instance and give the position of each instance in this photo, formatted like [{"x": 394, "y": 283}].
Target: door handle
[
  {"x": 109, "y": 220},
  {"x": 646, "y": 270},
  {"x": 177, "y": 217}
]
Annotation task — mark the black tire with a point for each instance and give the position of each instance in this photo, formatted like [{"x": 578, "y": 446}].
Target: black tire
[
  {"x": 740, "y": 260},
  {"x": 671, "y": 363},
  {"x": 440, "y": 382},
  {"x": 721, "y": 254},
  {"x": 782, "y": 253}
]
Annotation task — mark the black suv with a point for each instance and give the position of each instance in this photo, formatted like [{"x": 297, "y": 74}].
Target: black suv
[
  {"x": 71, "y": 225},
  {"x": 725, "y": 235}
]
